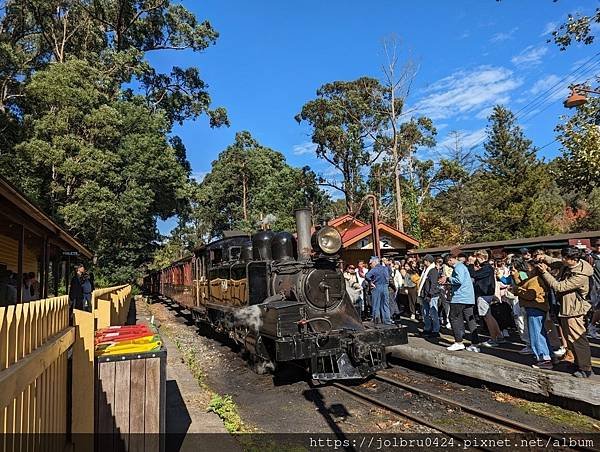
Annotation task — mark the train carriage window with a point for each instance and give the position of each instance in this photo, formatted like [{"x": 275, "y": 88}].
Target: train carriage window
[
  {"x": 216, "y": 257},
  {"x": 235, "y": 253}
]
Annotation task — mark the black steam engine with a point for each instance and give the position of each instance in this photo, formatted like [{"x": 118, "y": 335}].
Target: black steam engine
[{"x": 282, "y": 302}]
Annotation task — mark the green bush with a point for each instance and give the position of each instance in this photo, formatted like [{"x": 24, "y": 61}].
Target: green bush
[{"x": 225, "y": 408}]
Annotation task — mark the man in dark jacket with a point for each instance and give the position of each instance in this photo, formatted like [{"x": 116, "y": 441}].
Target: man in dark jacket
[
  {"x": 484, "y": 283},
  {"x": 429, "y": 292},
  {"x": 76, "y": 289}
]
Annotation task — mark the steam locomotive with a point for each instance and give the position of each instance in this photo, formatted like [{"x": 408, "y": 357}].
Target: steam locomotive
[{"x": 282, "y": 298}]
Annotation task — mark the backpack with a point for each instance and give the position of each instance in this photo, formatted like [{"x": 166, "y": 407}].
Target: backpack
[{"x": 503, "y": 314}]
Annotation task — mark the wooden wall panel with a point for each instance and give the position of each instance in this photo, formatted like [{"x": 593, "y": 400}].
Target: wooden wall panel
[{"x": 9, "y": 253}]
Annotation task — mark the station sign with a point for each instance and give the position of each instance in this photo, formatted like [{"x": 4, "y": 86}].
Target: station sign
[{"x": 70, "y": 253}]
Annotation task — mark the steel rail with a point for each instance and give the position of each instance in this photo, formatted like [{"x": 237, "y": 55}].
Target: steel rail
[
  {"x": 495, "y": 418},
  {"x": 404, "y": 413}
]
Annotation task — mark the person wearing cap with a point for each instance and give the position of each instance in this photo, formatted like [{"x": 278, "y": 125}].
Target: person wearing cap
[
  {"x": 525, "y": 254},
  {"x": 572, "y": 289},
  {"x": 378, "y": 276},
  {"x": 462, "y": 303},
  {"x": 429, "y": 293}
]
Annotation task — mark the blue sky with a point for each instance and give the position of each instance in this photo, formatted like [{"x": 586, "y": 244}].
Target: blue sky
[{"x": 472, "y": 54}]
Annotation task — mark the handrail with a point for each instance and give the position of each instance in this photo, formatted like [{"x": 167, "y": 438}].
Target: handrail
[
  {"x": 16, "y": 378},
  {"x": 111, "y": 305}
]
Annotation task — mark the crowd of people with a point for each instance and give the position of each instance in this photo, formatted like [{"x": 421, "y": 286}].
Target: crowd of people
[
  {"x": 30, "y": 289},
  {"x": 551, "y": 301}
]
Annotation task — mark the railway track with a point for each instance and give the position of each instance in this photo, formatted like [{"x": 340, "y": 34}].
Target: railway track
[
  {"x": 502, "y": 423},
  {"x": 406, "y": 413}
]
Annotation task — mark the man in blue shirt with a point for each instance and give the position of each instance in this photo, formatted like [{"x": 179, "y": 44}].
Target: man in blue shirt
[
  {"x": 462, "y": 303},
  {"x": 379, "y": 277}
]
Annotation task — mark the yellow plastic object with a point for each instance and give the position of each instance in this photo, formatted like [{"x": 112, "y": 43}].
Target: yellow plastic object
[{"x": 141, "y": 345}]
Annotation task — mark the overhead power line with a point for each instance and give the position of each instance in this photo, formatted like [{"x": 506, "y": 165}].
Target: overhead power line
[{"x": 585, "y": 68}]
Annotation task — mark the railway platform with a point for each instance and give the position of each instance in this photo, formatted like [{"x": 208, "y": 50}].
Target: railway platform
[
  {"x": 184, "y": 417},
  {"x": 503, "y": 366}
]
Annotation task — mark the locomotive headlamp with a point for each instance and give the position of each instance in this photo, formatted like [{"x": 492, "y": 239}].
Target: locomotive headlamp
[{"x": 327, "y": 240}]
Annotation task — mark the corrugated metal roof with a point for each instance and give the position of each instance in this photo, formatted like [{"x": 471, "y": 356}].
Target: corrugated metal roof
[{"x": 546, "y": 240}]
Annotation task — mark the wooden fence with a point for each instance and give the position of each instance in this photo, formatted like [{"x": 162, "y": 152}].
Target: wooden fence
[
  {"x": 111, "y": 306},
  {"x": 35, "y": 339}
]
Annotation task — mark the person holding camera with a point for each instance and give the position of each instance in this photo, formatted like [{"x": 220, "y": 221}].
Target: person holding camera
[
  {"x": 531, "y": 291},
  {"x": 572, "y": 288}
]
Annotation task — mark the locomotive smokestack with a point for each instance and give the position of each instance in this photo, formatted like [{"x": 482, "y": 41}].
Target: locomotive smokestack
[{"x": 303, "y": 227}]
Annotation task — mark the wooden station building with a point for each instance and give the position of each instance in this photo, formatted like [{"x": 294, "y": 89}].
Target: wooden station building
[
  {"x": 357, "y": 239},
  {"x": 31, "y": 242}
]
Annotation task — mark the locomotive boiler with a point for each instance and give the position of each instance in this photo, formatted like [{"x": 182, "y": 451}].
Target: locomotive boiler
[{"x": 283, "y": 298}]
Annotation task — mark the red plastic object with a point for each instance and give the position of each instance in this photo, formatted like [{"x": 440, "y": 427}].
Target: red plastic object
[
  {"x": 127, "y": 333},
  {"x": 121, "y": 329}
]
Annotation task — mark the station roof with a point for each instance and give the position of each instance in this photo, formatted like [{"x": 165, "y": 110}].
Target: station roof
[
  {"x": 532, "y": 242},
  {"x": 352, "y": 230},
  {"x": 25, "y": 212}
]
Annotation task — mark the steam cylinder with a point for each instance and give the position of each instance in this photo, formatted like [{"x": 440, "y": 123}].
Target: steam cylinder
[
  {"x": 303, "y": 227},
  {"x": 261, "y": 245},
  {"x": 282, "y": 246}
]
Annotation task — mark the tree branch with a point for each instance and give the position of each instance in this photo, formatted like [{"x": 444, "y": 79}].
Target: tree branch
[{"x": 329, "y": 184}]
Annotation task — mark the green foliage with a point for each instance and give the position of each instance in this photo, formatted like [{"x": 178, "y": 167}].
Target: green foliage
[
  {"x": 225, "y": 408},
  {"x": 95, "y": 154},
  {"x": 345, "y": 118},
  {"x": 418, "y": 177},
  {"x": 173, "y": 248},
  {"x": 517, "y": 195},
  {"x": 577, "y": 28},
  {"x": 412, "y": 210},
  {"x": 579, "y": 165},
  {"x": 511, "y": 195},
  {"x": 249, "y": 181}
]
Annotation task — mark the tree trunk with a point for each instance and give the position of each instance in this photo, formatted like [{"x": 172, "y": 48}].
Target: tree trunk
[
  {"x": 244, "y": 194},
  {"x": 399, "y": 212},
  {"x": 395, "y": 157}
]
